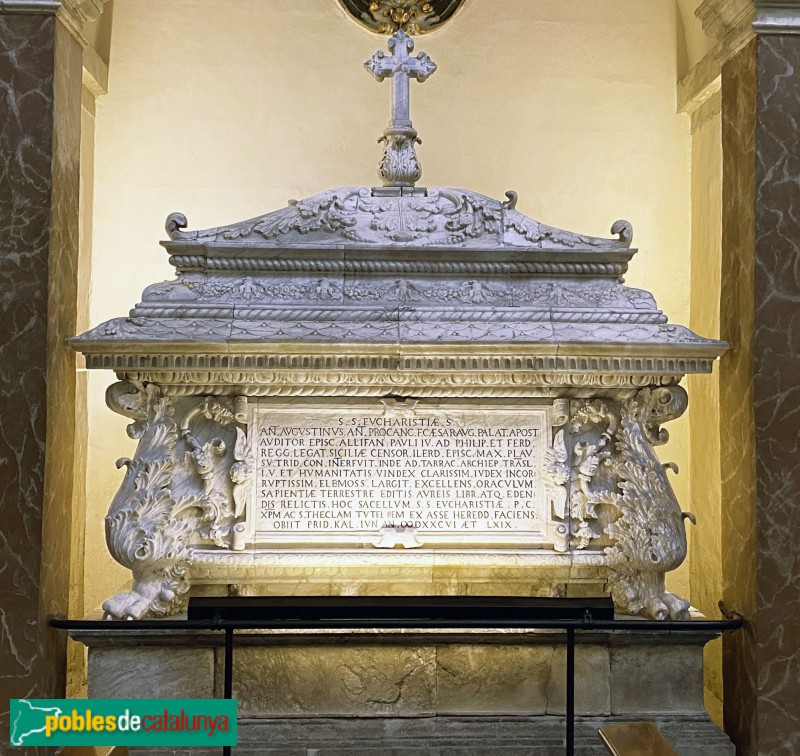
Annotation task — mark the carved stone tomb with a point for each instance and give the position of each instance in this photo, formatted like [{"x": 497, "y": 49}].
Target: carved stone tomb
[
  {"x": 398, "y": 389},
  {"x": 364, "y": 370}
]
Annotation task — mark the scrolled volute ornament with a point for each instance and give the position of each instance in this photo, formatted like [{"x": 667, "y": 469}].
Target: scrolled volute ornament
[
  {"x": 175, "y": 224},
  {"x": 184, "y": 487},
  {"x": 648, "y": 534},
  {"x": 144, "y": 529}
]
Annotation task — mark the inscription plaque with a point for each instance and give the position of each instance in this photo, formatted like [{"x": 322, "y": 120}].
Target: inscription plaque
[{"x": 442, "y": 472}]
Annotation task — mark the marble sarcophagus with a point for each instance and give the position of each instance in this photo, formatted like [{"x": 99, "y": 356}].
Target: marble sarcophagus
[
  {"x": 396, "y": 390},
  {"x": 400, "y": 390}
]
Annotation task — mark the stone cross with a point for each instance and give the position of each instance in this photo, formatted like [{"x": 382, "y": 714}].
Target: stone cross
[{"x": 399, "y": 165}]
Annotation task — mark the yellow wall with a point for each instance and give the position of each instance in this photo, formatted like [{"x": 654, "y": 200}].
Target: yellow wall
[
  {"x": 704, "y": 409},
  {"x": 226, "y": 115}
]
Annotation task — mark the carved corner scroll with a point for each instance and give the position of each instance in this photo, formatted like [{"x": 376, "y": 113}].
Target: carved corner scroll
[
  {"x": 183, "y": 488},
  {"x": 144, "y": 529},
  {"x": 649, "y": 534},
  {"x": 631, "y": 502}
]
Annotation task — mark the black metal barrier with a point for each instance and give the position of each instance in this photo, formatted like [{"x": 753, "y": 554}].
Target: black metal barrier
[{"x": 228, "y": 614}]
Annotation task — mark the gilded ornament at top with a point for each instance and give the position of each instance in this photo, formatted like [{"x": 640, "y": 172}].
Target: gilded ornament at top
[{"x": 412, "y": 16}]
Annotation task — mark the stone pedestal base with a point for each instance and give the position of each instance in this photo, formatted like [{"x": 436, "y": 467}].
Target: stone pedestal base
[
  {"x": 449, "y": 736},
  {"x": 347, "y": 691}
]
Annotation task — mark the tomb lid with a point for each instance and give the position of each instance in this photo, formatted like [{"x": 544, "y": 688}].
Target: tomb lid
[{"x": 394, "y": 276}]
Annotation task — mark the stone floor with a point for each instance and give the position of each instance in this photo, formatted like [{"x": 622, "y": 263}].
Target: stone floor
[{"x": 447, "y": 736}]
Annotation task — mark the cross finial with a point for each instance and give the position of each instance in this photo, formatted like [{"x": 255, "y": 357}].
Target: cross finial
[{"x": 399, "y": 165}]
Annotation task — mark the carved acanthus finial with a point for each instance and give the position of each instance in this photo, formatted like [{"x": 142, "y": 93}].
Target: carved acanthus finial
[{"x": 399, "y": 165}]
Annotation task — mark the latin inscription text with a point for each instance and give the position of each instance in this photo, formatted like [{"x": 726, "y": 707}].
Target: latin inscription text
[{"x": 431, "y": 470}]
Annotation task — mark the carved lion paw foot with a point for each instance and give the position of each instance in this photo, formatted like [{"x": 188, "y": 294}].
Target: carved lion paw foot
[
  {"x": 678, "y": 607},
  {"x": 668, "y": 606},
  {"x": 126, "y": 605}
]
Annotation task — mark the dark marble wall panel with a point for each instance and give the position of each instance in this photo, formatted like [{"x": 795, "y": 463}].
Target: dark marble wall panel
[
  {"x": 26, "y": 111},
  {"x": 736, "y": 409},
  {"x": 777, "y": 392},
  {"x": 64, "y": 521}
]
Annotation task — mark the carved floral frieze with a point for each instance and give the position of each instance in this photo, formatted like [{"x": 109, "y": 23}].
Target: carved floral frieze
[{"x": 471, "y": 291}]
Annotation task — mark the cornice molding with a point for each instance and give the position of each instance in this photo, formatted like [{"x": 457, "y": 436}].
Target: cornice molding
[
  {"x": 733, "y": 23},
  {"x": 83, "y": 10},
  {"x": 777, "y": 17},
  {"x": 95, "y": 72},
  {"x": 730, "y": 22},
  {"x": 72, "y": 13},
  {"x": 45, "y": 7},
  {"x": 719, "y": 17},
  {"x": 700, "y": 84}
]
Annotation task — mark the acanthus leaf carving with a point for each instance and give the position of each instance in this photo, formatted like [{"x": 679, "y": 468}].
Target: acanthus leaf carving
[
  {"x": 188, "y": 486},
  {"x": 470, "y": 291},
  {"x": 184, "y": 487},
  {"x": 135, "y": 401},
  {"x": 649, "y": 537},
  {"x": 521, "y": 227},
  {"x": 641, "y": 515},
  {"x": 249, "y": 289},
  {"x": 142, "y": 531},
  {"x": 399, "y": 164},
  {"x": 440, "y": 216},
  {"x": 587, "y": 456}
]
